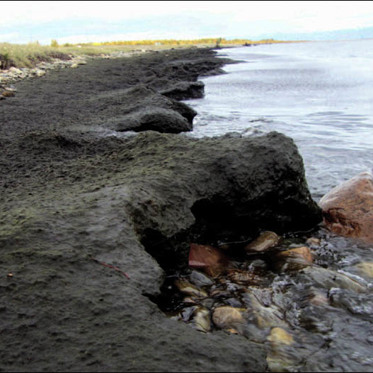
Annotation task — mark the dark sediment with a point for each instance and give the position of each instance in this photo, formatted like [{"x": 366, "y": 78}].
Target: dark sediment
[{"x": 74, "y": 199}]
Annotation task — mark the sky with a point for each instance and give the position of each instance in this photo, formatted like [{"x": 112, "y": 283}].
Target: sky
[{"x": 90, "y": 21}]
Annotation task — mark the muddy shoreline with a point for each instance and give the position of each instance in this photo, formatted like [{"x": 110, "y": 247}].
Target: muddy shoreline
[{"x": 81, "y": 197}]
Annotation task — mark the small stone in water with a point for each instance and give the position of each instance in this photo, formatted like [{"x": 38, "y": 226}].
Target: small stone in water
[
  {"x": 220, "y": 293},
  {"x": 187, "y": 313},
  {"x": 189, "y": 289},
  {"x": 233, "y": 302},
  {"x": 200, "y": 279},
  {"x": 313, "y": 242},
  {"x": 328, "y": 279},
  {"x": 295, "y": 259},
  {"x": 318, "y": 298},
  {"x": 264, "y": 242},
  {"x": 8, "y": 94},
  {"x": 280, "y": 336},
  {"x": 243, "y": 277},
  {"x": 227, "y": 317},
  {"x": 366, "y": 268},
  {"x": 202, "y": 319},
  {"x": 210, "y": 259},
  {"x": 189, "y": 300}
]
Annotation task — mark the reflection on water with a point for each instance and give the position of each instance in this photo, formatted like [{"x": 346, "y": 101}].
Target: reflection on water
[{"x": 321, "y": 95}]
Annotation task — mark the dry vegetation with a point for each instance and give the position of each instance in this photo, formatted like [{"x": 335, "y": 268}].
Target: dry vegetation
[{"x": 28, "y": 55}]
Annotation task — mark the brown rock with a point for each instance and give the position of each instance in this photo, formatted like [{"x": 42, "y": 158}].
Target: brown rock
[
  {"x": 366, "y": 268},
  {"x": 243, "y": 277},
  {"x": 348, "y": 208},
  {"x": 296, "y": 258},
  {"x": 280, "y": 336},
  {"x": 8, "y": 94},
  {"x": 227, "y": 317},
  {"x": 264, "y": 242},
  {"x": 189, "y": 289},
  {"x": 208, "y": 258}
]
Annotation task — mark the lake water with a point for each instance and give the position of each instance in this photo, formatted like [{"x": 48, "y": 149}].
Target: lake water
[{"x": 318, "y": 93}]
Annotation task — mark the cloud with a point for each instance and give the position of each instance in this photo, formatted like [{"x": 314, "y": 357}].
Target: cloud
[{"x": 68, "y": 21}]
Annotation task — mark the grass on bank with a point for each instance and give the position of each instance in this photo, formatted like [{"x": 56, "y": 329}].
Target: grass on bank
[{"x": 28, "y": 55}]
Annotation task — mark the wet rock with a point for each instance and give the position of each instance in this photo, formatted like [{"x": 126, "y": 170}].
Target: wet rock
[
  {"x": 187, "y": 313},
  {"x": 227, "y": 317},
  {"x": 220, "y": 293},
  {"x": 258, "y": 266},
  {"x": 8, "y": 94},
  {"x": 200, "y": 279},
  {"x": 280, "y": 336},
  {"x": 208, "y": 258},
  {"x": 313, "y": 242},
  {"x": 316, "y": 297},
  {"x": 264, "y": 242},
  {"x": 365, "y": 268},
  {"x": 234, "y": 302},
  {"x": 348, "y": 208},
  {"x": 202, "y": 319},
  {"x": 189, "y": 300},
  {"x": 361, "y": 305},
  {"x": 264, "y": 316},
  {"x": 278, "y": 359},
  {"x": 207, "y": 302},
  {"x": 187, "y": 288},
  {"x": 244, "y": 277},
  {"x": 328, "y": 279},
  {"x": 294, "y": 259}
]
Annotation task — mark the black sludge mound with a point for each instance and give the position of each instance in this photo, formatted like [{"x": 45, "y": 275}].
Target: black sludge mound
[
  {"x": 68, "y": 305},
  {"x": 81, "y": 211},
  {"x": 219, "y": 188}
]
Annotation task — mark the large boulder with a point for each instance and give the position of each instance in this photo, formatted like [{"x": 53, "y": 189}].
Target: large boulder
[{"x": 348, "y": 208}]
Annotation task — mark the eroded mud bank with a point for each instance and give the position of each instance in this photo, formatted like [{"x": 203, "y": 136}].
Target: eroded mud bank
[{"x": 83, "y": 207}]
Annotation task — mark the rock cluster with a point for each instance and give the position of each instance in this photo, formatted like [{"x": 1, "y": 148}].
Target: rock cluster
[
  {"x": 253, "y": 297},
  {"x": 14, "y": 74}
]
